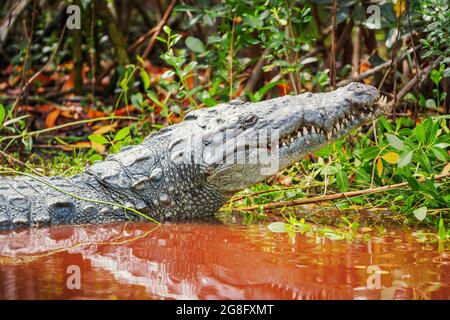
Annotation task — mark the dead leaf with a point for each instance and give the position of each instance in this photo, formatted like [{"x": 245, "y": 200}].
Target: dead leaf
[
  {"x": 99, "y": 148},
  {"x": 105, "y": 129},
  {"x": 51, "y": 118}
]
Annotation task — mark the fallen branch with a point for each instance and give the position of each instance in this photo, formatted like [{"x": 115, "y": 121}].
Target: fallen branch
[{"x": 341, "y": 195}]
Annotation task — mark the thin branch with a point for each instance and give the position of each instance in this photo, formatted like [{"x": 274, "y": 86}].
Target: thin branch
[
  {"x": 333, "y": 46},
  {"x": 336, "y": 196},
  {"x": 376, "y": 69},
  {"x": 158, "y": 29}
]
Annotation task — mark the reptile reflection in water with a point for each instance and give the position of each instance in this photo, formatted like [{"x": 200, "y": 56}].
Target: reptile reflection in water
[{"x": 204, "y": 260}]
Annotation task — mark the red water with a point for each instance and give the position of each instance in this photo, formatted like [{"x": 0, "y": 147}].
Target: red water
[{"x": 214, "y": 261}]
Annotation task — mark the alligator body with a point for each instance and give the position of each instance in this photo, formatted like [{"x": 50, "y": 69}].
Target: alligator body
[{"x": 190, "y": 169}]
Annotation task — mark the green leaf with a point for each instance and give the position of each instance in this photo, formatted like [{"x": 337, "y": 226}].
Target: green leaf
[
  {"x": 195, "y": 44},
  {"x": 122, "y": 134},
  {"x": 2, "y": 113},
  {"x": 430, "y": 104},
  {"x": 405, "y": 159},
  {"x": 145, "y": 79},
  {"x": 394, "y": 141},
  {"x": 277, "y": 227},
  {"x": 98, "y": 139},
  {"x": 95, "y": 157},
  {"x": 420, "y": 133},
  {"x": 440, "y": 154},
  {"x": 370, "y": 153},
  {"x": 154, "y": 98},
  {"x": 342, "y": 180},
  {"x": 137, "y": 100},
  {"x": 436, "y": 76},
  {"x": 441, "y": 233},
  {"x": 420, "y": 213}
]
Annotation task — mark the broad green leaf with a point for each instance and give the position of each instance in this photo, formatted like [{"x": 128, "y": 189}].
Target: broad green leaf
[
  {"x": 122, "y": 134},
  {"x": 2, "y": 114},
  {"x": 420, "y": 213},
  {"x": 370, "y": 153},
  {"x": 195, "y": 44},
  {"x": 420, "y": 133},
  {"x": 154, "y": 98},
  {"x": 394, "y": 141},
  {"x": 278, "y": 227},
  {"x": 98, "y": 139},
  {"x": 145, "y": 79},
  {"x": 405, "y": 159},
  {"x": 391, "y": 157},
  {"x": 436, "y": 76},
  {"x": 342, "y": 180},
  {"x": 430, "y": 104},
  {"x": 95, "y": 157},
  {"x": 440, "y": 154}
]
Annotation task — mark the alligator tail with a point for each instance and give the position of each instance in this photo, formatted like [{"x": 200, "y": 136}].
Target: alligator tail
[{"x": 35, "y": 201}]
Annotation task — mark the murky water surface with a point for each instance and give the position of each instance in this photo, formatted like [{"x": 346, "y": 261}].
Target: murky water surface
[{"x": 211, "y": 260}]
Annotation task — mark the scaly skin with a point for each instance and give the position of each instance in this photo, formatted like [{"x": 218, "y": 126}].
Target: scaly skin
[{"x": 180, "y": 172}]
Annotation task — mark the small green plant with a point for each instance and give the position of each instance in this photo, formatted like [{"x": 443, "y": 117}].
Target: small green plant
[{"x": 121, "y": 139}]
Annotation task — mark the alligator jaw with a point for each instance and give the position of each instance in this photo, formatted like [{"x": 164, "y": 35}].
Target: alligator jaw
[{"x": 354, "y": 118}]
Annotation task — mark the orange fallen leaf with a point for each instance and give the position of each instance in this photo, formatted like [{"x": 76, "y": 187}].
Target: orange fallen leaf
[
  {"x": 51, "y": 118},
  {"x": 99, "y": 148},
  {"x": 105, "y": 129}
]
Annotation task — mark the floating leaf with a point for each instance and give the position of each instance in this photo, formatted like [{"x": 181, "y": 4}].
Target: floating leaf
[
  {"x": 420, "y": 213},
  {"x": 277, "y": 227},
  {"x": 394, "y": 141},
  {"x": 391, "y": 157}
]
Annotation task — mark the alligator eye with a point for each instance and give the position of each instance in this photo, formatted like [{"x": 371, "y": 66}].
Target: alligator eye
[{"x": 250, "y": 120}]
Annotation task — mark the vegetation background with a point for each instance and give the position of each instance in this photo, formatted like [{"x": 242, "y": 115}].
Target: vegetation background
[{"x": 70, "y": 95}]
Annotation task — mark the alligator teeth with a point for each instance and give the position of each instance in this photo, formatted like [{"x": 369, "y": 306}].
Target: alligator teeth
[
  {"x": 284, "y": 144},
  {"x": 329, "y": 134},
  {"x": 383, "y": 101},
  {"x": 299, "y": 134},
  {"x": 292, "y": 140},
  {"x": 305, "y": 131},
  {"x": 313, "y": 130},
  {"x": 352, "y": 117},
  {"x": 338, "y": 126}
]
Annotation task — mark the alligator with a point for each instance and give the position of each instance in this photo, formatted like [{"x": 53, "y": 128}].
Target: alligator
[{"x": 192, "y": 168}]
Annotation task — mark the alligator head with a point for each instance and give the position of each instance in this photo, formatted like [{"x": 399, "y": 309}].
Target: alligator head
[{"x": 243, "y": 143}]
